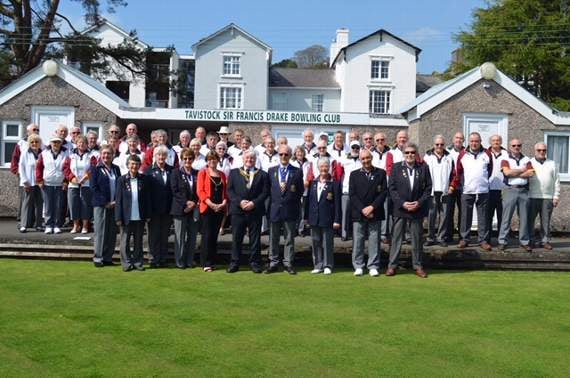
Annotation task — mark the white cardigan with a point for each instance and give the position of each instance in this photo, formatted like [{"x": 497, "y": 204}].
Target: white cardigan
[
  {"x": 545, "y": 183},
  {"x": 27, "y": 167}
]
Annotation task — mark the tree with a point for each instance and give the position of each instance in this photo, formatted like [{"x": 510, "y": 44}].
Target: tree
[
  {"x": 529, "y": 40},
  {"x": 286, "y": 63},
  {"x": 312, "y": 57},
  {"x": 31, "y": 31}
]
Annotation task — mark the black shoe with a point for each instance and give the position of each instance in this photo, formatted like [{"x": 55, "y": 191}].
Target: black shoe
[
  {"x": 429, "y": 243},
  {"x": 181, "y": 267},
  {"x": 140, "y": 268},
  {"x": 271, "y": 269},
  {"x": 39, "y": 229},
  {"x": 98, "y": 264},
  {"x": 290, "y": 270},
  {"x": 154, "y": 265},
  {"x": 109, "y": 263},
  {"x": 256, "y": 269},
  {"x": 128, "y": 268},
  {"x": 232, "y": 269},
  {"x": 502, "y": 247}
]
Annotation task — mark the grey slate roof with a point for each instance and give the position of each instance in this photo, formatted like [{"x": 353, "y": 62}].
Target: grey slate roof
[
  {"x": 302, "y": 78},
  {"x": 425, "y": 82}
]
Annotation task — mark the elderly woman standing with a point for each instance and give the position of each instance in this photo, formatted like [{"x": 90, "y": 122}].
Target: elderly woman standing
[
  {"x": 133, "y": 143},
  {"x": 103, "y": 188},
  {"x": 77, "y": 170},
  {"x": 32, "y": 202},
  {"x": 225, "y": 164},
  {"x": 159, "y": 175},
  {"x": 323, "y": 212},
  {"x": 50, "y": 177},
  {"x": 184, "y": 210},
  {"x": 199, "y": 159},
  {"x": 212, "y": 192}
]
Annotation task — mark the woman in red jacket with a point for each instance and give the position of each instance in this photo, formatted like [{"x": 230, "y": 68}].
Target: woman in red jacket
[{"x": 212, "y": 192}]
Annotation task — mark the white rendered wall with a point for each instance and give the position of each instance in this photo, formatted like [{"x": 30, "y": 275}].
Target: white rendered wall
[{"x": 301, "y": 99}]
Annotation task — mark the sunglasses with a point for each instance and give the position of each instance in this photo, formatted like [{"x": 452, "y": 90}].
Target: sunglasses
[
  {"x": 356, "y": 147},
  {"x": 410, "y": 152},
  {"x": 540, "y": 150},
  {"x": 75, "y": 132},
  {"x": 516, "y": 145},
  {"x": 187, "y": 158},
  {"x": 284, "y": 155},
  {"x": 380, "y": 140},
  {"x": 114, "y": 131},
  {"x": 439, "y": 145},
  {"x": 321, "y": 148},
  {"x": 35, "y": 129}
]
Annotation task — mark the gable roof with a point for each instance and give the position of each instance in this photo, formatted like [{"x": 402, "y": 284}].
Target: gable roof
[
  {"x": 229, "y": 27},
  {"x": 379, "y": 32},
  {"x": 444, "y": 91},
  {"x": 117, "y": 29},
  {"x": 77, "y": 79},
  {"x": 302, "y": 78},
  {"x": 425, "y": 82}
]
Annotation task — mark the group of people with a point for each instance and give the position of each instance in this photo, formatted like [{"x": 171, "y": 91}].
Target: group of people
[{"x": 364, "y": 189}]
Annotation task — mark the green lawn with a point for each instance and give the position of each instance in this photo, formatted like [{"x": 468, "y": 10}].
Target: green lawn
[{"x": 68, "y": 318}]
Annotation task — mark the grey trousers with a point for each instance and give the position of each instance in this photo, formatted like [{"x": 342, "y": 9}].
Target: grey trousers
[
  {"x": 52, "y": 199},
  {"x": 386, "y": 224},
  {"x": 105, "y": 234},
  {"x": 185, "y": 234},
  {"x": 132, "y": 257},
  {"x": 346, "y": 223},
  {"x": 513, "y": 199},
  {"x": 32, "y": 205},
  {"x": 439, "y": 217},
  {"x": 360, "y": 229},
  {"x": 416, "y": 232},
  {"x": 323, "y": 247},
  {"x": 158, "y": 230},
  {"x": 467, "y": 203},
  {"x": 544, "y": 208},
  {"x": 289, "y": 229}
]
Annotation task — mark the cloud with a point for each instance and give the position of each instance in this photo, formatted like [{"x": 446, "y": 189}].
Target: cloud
[{"x": 424, "y": 34}]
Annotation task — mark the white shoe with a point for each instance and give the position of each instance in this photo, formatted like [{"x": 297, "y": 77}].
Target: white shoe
[
  {"x": 374, "y": 273},
  {"x": 358, "y": 272},
  {"x": 73, "y": 231},
  {"x": 56, "y": 230},
  {"x": 327, "y": 271},
  {"x": 48, "y": 230},
  {"x": 84, "y": 231},
  {"x": 316, "y": 271}
]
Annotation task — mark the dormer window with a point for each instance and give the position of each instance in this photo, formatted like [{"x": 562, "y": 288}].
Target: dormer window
[{"x": 232, "y": 65}]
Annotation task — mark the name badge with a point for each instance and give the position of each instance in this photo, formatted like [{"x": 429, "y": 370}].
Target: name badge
[
  {"x": 330, "y": 196},
  {"x": 293, "y": 188}
]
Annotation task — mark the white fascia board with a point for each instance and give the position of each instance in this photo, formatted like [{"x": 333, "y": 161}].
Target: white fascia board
[
  {"x": 21, "y": 85},
  {"x": 307, "y": 88}
]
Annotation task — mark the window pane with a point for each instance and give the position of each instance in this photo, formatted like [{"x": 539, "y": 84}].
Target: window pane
[
  {"x": 8, "y": 151},
  {"x": 558, "y": 151},
  {"x": 384, "y": 70},
  {"x": 375, "y": 69},
  {"x": 12, "y": 129}
]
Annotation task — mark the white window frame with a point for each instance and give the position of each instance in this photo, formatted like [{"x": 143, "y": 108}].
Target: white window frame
[
  {"x": 8, "y": 139},
  {"x": 388, "y": 91},
  {"x": 314, "y": 104},
  {"x": 563, "y": 176},
  {"x": 381, "y": 59},
  {"x": 233, "y": 86},
  {"x": 86, "y": 126},
  {"x": 232, "y": 65}
]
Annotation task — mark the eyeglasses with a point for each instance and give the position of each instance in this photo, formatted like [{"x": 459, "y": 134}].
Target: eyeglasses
[
  {"x": 283, "y": 154},
  {"x": 356, "y": 147},
  {"x": 36, "y": 141},
  {"x": 366, "y": 138},
  {"x": 439, "y": 144},
  {"x": 321, "y": 148},
  {"x": 410, "y": 152},
  {"x": 75, "y": 132},
  {"x": 114, "y": 131},
  {"x": 516, "y": 145},
  {"x": 380, "y": 140},
  {"x": 35, "y": 129},
  {"x": 540, "y": 150}
]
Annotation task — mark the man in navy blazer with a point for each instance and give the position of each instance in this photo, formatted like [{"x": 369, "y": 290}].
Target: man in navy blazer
[
  {"x": 248, "y": 189},
  {"x": 286, "y": 189},
  {"x": 132, "y": 210},
  {"x": 410, "y": 190},
  {"x": 103, "y": 184},
  {"x": 367, "y": 190}
]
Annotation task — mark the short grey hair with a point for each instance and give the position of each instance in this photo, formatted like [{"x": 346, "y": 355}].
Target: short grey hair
[
  {"x": 411, "y": 145},
  {"x": 92, "y": 132},
  {"x": 250, "y": 152},
  {"x": 221, "y": 144},
  {"x": 323, "y": 160},
  {"x": 161, "y": 150},
  {"x": 309, "y": 131},
  {"x": 132, "y": 138},
  {"x": 185, "y": 132},
  {"x": 438, "y": 136}
]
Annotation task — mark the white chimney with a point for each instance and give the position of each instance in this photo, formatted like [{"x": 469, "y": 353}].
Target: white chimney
[{"x": 340, "y": 41}]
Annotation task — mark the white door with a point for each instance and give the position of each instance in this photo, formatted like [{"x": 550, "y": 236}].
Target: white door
[
  {"x": 48, "y": 118},
  {"x": 486, "y": 125}
]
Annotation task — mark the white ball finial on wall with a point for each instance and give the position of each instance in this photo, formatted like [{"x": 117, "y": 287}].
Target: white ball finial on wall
[
  {"x": 488, "y": 71},
  {"x": 50, "y": 67}
]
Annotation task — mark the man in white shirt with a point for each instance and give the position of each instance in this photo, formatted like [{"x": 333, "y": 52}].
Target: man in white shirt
[
  {"x": 367, "y": 141},
  {"x": 308, "y": 142},
  {"x": 211, "y": 140},
  {"x": 455, "y": 198},
  {"x": 235, "y": 148},
  {"x": 517, "y": 169},
  {"x": 496, "y": 183},
  {"x": 269, "y": 158},
  {"x": 260, "y": 148},
  {"x": 338, "y": 149},
  {"x": 351, "y": 162},
  {"x": 544, "y": 193}
]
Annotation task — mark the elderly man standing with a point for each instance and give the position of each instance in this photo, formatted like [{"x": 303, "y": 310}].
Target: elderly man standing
[
  {"x": 184, "y": 139},
  {"x": 308, "y": 142},
  {"x": 496, "y": 183},
  {"x": 367, "y": 193},
  {"x": 286, "y": 189},
  {"x": 474, "y": 167},
  {"x": 410, "y": 190},
  {"x": 350, "y": 163},
  {"x": 516, "y": 168},
  {"x": 544, "y": 193},
  {"x": 455, "y": 197},
  {"x": 441, "y": 169},
  {"x": 338, "y": 149},
  {"x": 131, "y": 130}
]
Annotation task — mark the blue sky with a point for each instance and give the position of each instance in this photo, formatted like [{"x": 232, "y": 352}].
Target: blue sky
[{"x": 288, "y": 26}]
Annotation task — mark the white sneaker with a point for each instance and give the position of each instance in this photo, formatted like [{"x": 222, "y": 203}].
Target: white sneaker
[
  {"x": 48, "y": 230},
  {"x": 327, "y": 271},
  {"x": 56, "y": 230},
  {"x": 374, "y": 273},
  {"x": 84, "y": 231},
  {"x": 316, "y": 271},
  {"x": 358, "y": 272}
]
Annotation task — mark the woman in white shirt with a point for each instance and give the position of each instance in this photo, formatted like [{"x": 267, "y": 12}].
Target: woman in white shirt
[
  {"x": 77, "y": 170},
  {"x": 32, "y": 201}
]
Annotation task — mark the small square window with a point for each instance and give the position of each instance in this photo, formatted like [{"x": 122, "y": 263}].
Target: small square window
[{"x": 12, "y": 130}]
